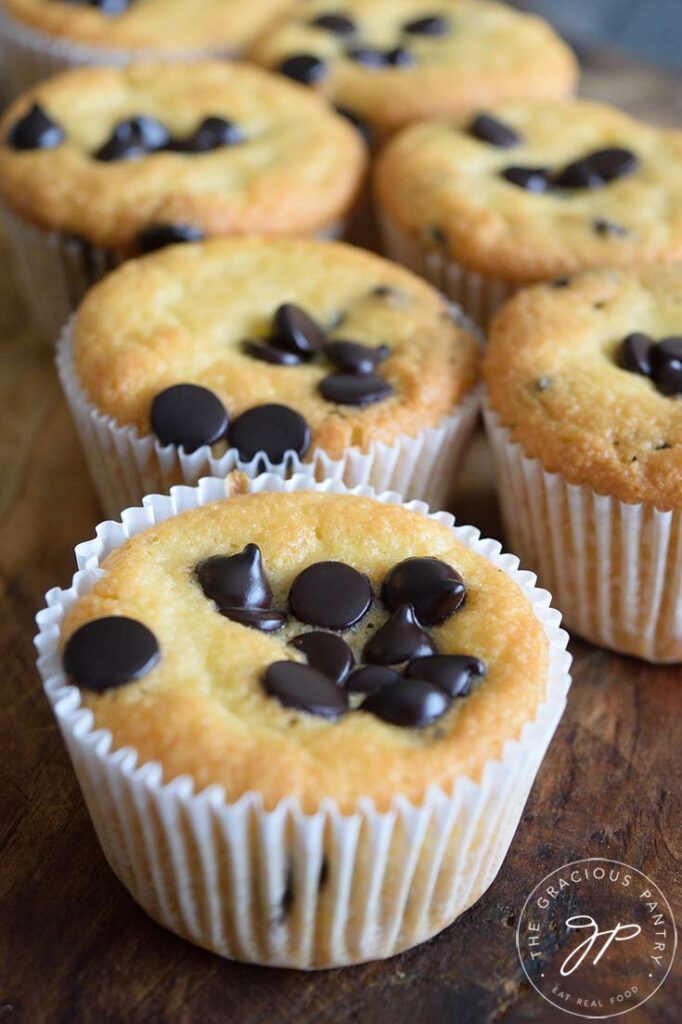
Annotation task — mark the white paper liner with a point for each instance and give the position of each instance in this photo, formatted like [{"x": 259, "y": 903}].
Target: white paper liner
[
  {"x": 125, "y": 466},
  {"x": 245, "y": 882},
  {"x": 28, "y": 55},
  {"x": 614, "y": 568},
  {"x": 479, "y": 296}
]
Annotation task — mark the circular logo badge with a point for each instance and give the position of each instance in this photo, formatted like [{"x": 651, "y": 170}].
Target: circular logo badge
[{"x": 596, "y": 938}]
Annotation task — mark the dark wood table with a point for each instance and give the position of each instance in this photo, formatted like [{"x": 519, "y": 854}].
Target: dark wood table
[{"x": 74, "y": 947}]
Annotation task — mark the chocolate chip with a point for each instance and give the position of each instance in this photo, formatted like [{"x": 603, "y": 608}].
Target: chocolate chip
[
  {"x": 327, "y": 653},
  {"x": 357, "y": 122},
  {"x": 134, "y": 138},
  {"x": 496, "y": 133},
  {"x": 304, "y": 688},
  {"x": 110, "y": 7},
  {"x": 355, "y": 358},
  {"x": 297, "y": 332},
  {"x": 110, "y": 652},
  {"x": 666, "y": 366},
  {"x": 605, "y": 227},
  {"x": 339, "y": 24},
  {"x": 355, "y": 389},
  {"x": 401, "y": 638},
  {"x": 270, "y": 354},
  {"x": 272, "y": 430},
  {"x": 452, "y": 673},
  {"x": 35, "y": 130},
  {"x": 542, "y": 383},
  {"x": 330, "y": 594},
  {"x": 561, "y": 282},
  {"x": 236, "y": 581},
  {"x": 267, "y": 620},
  {"x": 384, "y": 291},
  {"x": 597, "y": 169},
  {"x": 370, "y": 678},
  {"x": 212, "y": 133},
  {"x": 635, "y": 353},
  {"x": 188, "y": 415},
  {"x": 305, "y": 68},
  {"x": 409, "y": 702},
  {"x": 158, "y": 236},
  {"x": 367, "y": 56},
  {"x": 399, "y": 57},
  {"x": 532, "y": 179},
  {"x": 433, "y": 588},
  {"x": 433, "y": 25}
]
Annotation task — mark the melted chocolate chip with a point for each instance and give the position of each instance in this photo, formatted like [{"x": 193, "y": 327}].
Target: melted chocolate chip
[
  {"x": 597, "y": 169},
  {"x": 400, "y": 57},
  {"x": 158, "y": 236},
  {"x": 666, "y": 366},
  {"x": 305, "y": 689},
  {"x": 305, "y": 68},
  {"x": 355, "y": 389},
  {"x": 433, "y": 25},
  {"x": 401, "y": 638},
  {"x": 409, "y": 702},
  {"x": 433, "y": 588},
  {"x": 189, "y": 416},
  {"x": 272, "y": 430},
  {"x": 330, "y": 594},
  {"x": 635, "y": 353},
  {"x": 357, "y": 122},
  {"x": 212, "y": 133},
  {"x": 367, "y": 56},
  {"x": 452, "y": 673},
  {"x": 236, "y": 581},
  {"x": 110, "y": 652},
  {"x": 35, "y": 130},
  {"x": 327, "y": 653},
  {"x": 267, "y": 620},
  {"x": 270, "y": 354},
  {"x": 607, "y": 228},
  {"x": 134, "y": 138},
  {"x": 339, "y": 24},
  {"x": 297, "y": 332},
  {"x": 532, "y": 179},
  {"x": 352, "y": 357},
  {"x": 371, "y": 678},
  {"x": 488, "y": 129}
]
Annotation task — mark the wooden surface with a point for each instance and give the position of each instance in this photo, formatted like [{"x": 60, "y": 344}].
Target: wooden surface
[{"x": 75, "y": 949}]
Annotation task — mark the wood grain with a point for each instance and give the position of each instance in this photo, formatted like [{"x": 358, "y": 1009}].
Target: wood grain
[{"x": 75, "y": 949}]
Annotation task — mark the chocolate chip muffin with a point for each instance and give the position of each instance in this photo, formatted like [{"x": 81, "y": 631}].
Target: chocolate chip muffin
[
  {"x": 100, "y": 164},
  {"x": 584, "y": 379},
  {"x": 519, "y": 193},
  {"x": 388, "y": 62},
  {"x": 321, "y": 672},
  {"x": 263, "y": 352}
]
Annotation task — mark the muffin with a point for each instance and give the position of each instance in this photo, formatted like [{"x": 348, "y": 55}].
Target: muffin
[
  {"x": 286, "y": 354},
  {"x": 102, "y": 163},
  {"x": 519, "y": 193},
  {"x": 584, "y": 381},
  {"x": 388, "y": 62},
  {"x": 39, "y": 38},
  {"x": 315, "y": 750}
]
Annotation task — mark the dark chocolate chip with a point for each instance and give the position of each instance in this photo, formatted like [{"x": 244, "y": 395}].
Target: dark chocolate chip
[
  {"x": 371, "y": 678},
  {"x": 339, "y": 24},
  {"x": 35, "y": 130},
  {"x": 353, "y": 357},
  {"x": 496, "y": 133},
  {"x": 597, "y": 169},
  {"x": 330, "y": 594},
  {"x": 188, "y": 415},
  {"x": 270, "y": 354},
  {"x": 409, "y": 702},
  {"x": 358, "y": 122},
  {"x": 666, "y": 366},
  {"x": 433, "y": 25},
  {"x": 158, "y": 236},
  {"x": 213, "y": 133},
  {"x": 327, "y": 653},
  {"x": 384, "y": 291},
  {"x": 635, "y": 353},
  {"x": 305, "y": 68},
  {"x": 367, "y": 56},
  {"x": 532, "y": 179},
  {"x": 134, "y": 138},
  {"x": 453, "y": 673},
  {"x": 110, "y": 652},
  {"x": 305, "y": 689},
  {"x": 272, "y": 430},
  {"x": 111, "y": 7},
  {"x": 542, "y": 383},
  {"x": 607, "y": 228},
  {"x": 297, "y": 332},
  {"x": 400, "y": 57},
  {"x": 355, "y": 389},
  {"x": 236, "y": 581},
  {"x": 561, "y": 282},
  {"x": 267, "y": 620},
  {"x": 433, "y": 588},
  {"x": 401, "y": 638}
]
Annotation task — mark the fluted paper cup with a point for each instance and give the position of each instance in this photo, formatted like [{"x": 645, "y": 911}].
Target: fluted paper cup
[
  {"x": 125, "y": 466},
  {"x": 614, "y": 568},
  {"x": 279, "y": 886}
]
